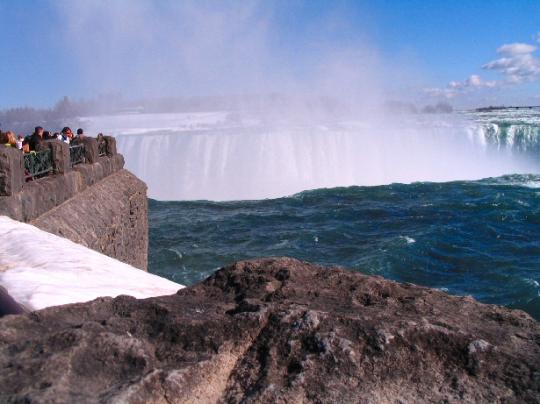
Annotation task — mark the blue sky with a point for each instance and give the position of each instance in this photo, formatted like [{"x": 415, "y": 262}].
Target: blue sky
[{"x": 422, "y": 50}]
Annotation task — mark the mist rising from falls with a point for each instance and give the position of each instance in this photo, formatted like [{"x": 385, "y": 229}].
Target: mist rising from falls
[{"x": 216, "y": 161}]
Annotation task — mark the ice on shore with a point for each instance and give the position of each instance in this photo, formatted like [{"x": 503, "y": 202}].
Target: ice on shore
[{"x": 40, "y": 269}]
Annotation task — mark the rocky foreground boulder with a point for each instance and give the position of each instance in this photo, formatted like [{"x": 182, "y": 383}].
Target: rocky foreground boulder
[{"x": 274, "y": 330}]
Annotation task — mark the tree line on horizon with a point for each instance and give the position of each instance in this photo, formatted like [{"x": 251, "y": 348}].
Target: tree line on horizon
[{"x": 23, "y": 119}]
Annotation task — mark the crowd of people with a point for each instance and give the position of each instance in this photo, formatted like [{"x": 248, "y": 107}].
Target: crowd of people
[{"x": 35, "y": 141}]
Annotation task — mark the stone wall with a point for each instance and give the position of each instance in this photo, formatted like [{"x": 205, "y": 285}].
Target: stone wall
[
  {"x": 11, "y": 171},
  {"x": 96, "y": 204},
  {"x": 110, "y": 216},
  {"x": 37, "y": 197}
]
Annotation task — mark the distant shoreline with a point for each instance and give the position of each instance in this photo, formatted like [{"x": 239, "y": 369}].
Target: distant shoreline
[{"x": 492, "y": 108}]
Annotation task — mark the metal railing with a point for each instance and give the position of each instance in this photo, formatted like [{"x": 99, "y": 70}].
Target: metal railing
[
  {"x": 102, "y": 147},
  {"x": 38, "y": 164},
  {"x": 76, "y": 154}
]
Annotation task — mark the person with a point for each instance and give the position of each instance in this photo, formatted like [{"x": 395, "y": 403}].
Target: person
[
  {"x": 67, "y": 134},
  {"x": 20, "y": 141},
  {"x": 11, "y": 138},
  {"x": 25, "y": 144},
  {"x": 8, "y": 139},
  {"x": 80, "y": 136},
  {"x": 47, "y": 135},
  {"x": 36, "y": 140}
]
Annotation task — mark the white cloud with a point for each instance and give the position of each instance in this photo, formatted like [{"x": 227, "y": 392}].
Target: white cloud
[
  {"x": 516, "y": 69},
  {"x": 455, "y": 88},
  {"x": 517, "y": 64},
  {"x": 476, "y": 81},
  {"x": 455, "y": 85},
  {"x": 514, "y": 49}
]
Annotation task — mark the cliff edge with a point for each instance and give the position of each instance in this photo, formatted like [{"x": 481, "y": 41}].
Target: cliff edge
[{"x": 274, "y": 330}]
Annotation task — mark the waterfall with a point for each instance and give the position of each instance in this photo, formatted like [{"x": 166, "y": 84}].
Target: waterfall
[
  {"x": 516, "y": 137},
  {"x": 267, "y": 161}
]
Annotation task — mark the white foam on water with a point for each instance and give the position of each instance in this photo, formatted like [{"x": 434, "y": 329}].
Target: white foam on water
[
  {"x": 532, "y": 184},
  {"x": 40, "y": 269},
  {"x": 527, "y": 181},
  {"x": 408, "y": 239}
]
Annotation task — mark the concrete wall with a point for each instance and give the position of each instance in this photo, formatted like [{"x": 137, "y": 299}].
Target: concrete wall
[{"x": 97, "y": 204}]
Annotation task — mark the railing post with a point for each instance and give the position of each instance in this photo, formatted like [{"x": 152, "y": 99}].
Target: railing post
[
  {"x": 111, "y": 145},
  {"x": 11, "y": 170},
  {"x": 91, "y": 152},
  {"x": 60, "y": 156}
]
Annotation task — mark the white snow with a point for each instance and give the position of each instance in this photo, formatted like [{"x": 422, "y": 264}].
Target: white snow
[{"x": 40, "y": 269}]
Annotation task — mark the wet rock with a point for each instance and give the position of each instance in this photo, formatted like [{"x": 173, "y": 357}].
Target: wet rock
[{"x": 257, "y": 332}]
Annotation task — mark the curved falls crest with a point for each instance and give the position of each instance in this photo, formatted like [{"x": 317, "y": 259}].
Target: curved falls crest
[{"x": 197, "y": 156}]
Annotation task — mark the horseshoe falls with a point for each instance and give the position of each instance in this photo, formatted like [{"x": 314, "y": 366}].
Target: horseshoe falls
[
  {"x": 214, "y": 157},
  {"x": 446, "y": 201}
]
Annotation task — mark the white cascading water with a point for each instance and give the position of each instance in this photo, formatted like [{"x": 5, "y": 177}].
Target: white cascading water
[
  {"x": 516, "y": 137},
  {"x": 204, "y": 156}
]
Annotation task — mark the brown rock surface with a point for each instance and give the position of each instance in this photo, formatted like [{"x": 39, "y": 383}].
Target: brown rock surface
[{"x": 274, "y": 330}]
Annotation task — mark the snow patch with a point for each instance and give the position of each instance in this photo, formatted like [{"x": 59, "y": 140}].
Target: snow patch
[{"x": 40, "y": 269}]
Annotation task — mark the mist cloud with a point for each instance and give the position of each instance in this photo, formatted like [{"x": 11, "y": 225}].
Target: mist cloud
[
  {"x": 167, "y": 48},
  {"x": 147, "y": 48}
]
